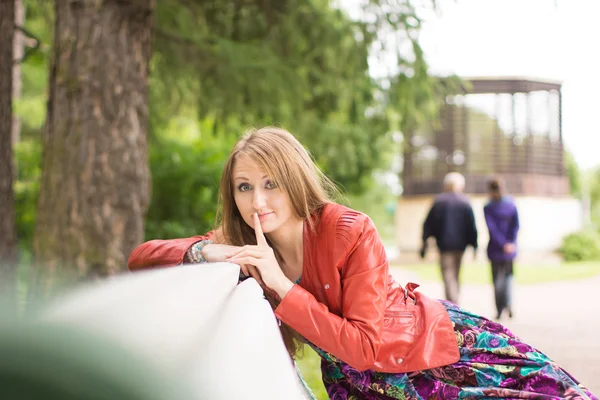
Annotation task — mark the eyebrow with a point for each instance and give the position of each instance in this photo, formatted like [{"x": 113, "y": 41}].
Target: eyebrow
[{"x": 245, "y": 179}]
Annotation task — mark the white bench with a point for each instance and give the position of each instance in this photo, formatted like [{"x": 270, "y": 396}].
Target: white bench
[{"x": 194, "y": 324}]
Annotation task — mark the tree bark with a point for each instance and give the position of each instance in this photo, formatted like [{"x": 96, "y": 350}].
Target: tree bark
[
  {"x": 95, "y": 184},
  {"x": 8, "y": 236},
  {"x": 18, "y": 51}
]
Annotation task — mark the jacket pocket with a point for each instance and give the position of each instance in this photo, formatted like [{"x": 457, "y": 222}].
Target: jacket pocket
[
  {"x": 401, "y": 331},
  {"x": 401, "y": 323}
]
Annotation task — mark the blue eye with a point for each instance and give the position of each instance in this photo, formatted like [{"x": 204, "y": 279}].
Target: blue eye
[
  {"x": 270, "y": 185},
  {"x": 243, "y": 187}
]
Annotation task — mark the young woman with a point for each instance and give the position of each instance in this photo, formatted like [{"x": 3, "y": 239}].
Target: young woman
[{"x": 324, "y": 270}]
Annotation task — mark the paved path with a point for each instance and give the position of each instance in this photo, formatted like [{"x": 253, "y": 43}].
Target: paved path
[{"x": 561, "y": 319}]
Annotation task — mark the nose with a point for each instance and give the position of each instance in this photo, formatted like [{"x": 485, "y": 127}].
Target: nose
[{"x": 259, "y": 200}]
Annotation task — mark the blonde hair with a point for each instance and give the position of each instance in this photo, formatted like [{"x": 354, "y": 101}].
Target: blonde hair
[{"x": 292, "y": 169}]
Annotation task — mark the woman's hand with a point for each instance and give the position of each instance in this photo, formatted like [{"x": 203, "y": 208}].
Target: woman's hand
[
  {"x": 215, "y": 252},
  {"x": 262, "y": 257},
  {"x": 510, "y": 248}
]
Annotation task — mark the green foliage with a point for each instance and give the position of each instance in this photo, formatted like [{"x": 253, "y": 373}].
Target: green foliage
[
  {"x": 574, "y": 174},
  {"x": 592, "y": 184},
  {"x": 259, "y": 59},
  {"x": 300, "y": 64},
  {"x": 220, "y": 67},
  {"x": 185, "y": 174},
  {"x": 379, "y": 203},
  {"x": 28, "y": 155},
  {"x": 581, "y": 246},
  {"x": 31, "y": 109},
  {"x": 309, "y": 364},
  {"x": 348, "y": 153},
  {"x": 415, "y": 97},
  {"x": 294, "y": 63}
]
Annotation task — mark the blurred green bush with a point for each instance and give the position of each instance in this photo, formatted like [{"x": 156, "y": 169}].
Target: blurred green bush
[{"x": 581, "y": 246}]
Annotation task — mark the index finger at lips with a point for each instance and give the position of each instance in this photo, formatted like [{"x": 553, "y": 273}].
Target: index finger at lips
[{"x": 260, "y": 236}]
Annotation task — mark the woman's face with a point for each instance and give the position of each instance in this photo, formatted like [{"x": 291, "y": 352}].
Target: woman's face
[{"x": 255, "y": 192}]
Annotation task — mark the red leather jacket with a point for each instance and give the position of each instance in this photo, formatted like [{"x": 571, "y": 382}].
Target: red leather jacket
[{"x": 347, "y": 303}]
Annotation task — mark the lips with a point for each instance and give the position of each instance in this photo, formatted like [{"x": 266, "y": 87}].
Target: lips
[{"x": 264, "y": 216}]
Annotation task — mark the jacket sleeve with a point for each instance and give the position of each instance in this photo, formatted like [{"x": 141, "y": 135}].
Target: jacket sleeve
[
  {"x": 472, "y": 227},
  {"x": 430, "y": 224},
  {"x": 496, "y": 235},
  {"x": 355, "y": 336},
  {"x": 162, "y": 253},
  {"x": 514, "y": 228}
]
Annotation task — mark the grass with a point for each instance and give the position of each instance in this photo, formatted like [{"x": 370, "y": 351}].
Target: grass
[
  {"x": 525, "y": 274},
  {"x": 310, "y": 367}
]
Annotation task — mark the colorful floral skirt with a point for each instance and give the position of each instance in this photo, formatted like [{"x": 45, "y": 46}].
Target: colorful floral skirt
[{"x": 493, "y": 363}]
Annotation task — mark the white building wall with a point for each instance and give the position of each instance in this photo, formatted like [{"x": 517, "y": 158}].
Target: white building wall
[{"x": 544, "y": 222}]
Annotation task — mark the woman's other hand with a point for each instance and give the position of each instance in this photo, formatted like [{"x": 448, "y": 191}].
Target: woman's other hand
[{"x": 215, "y": 252}]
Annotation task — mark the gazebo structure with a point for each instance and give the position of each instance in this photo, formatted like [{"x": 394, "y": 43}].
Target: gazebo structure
[{"x": 510, "y": 127}]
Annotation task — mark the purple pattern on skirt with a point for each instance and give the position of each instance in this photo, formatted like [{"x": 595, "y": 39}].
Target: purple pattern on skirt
[{"x": 493, "y": 363}]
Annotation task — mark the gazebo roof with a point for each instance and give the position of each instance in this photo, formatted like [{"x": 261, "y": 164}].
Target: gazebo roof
[
  {"x": 488, "y": 130},
  {"x": 499, "y": 84}
]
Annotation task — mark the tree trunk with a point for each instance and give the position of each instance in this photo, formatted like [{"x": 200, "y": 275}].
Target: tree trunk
[
  {"x": 18, "y": 49},
  {"x": 8, "y": 237},
  {"x": 95, "y": 183}
]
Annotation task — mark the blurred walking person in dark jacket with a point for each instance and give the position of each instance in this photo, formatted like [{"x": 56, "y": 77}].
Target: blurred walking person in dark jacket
[
  {"x": 502, "y": 220},
  {"x": 452, "y": 222}
]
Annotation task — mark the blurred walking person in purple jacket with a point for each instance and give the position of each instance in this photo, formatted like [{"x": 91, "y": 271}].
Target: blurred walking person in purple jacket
[{"x": 502, "y": 220}]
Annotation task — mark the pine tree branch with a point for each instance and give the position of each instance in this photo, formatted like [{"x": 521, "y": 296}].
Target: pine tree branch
[
  {"x": 163, "y": 34},
  {"x": 30, "y": 49}
]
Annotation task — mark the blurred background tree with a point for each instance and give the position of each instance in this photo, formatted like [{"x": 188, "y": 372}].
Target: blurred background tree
[
  {"x": 94, "y": 188},
  {"x": 8, "y": 238}
]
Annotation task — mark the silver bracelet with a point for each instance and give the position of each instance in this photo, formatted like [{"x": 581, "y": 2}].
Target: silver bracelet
[{"x": 194, "y": 253}]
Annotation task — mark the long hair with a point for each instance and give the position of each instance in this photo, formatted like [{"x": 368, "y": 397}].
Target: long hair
[{"x": 292, "y": 169}]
